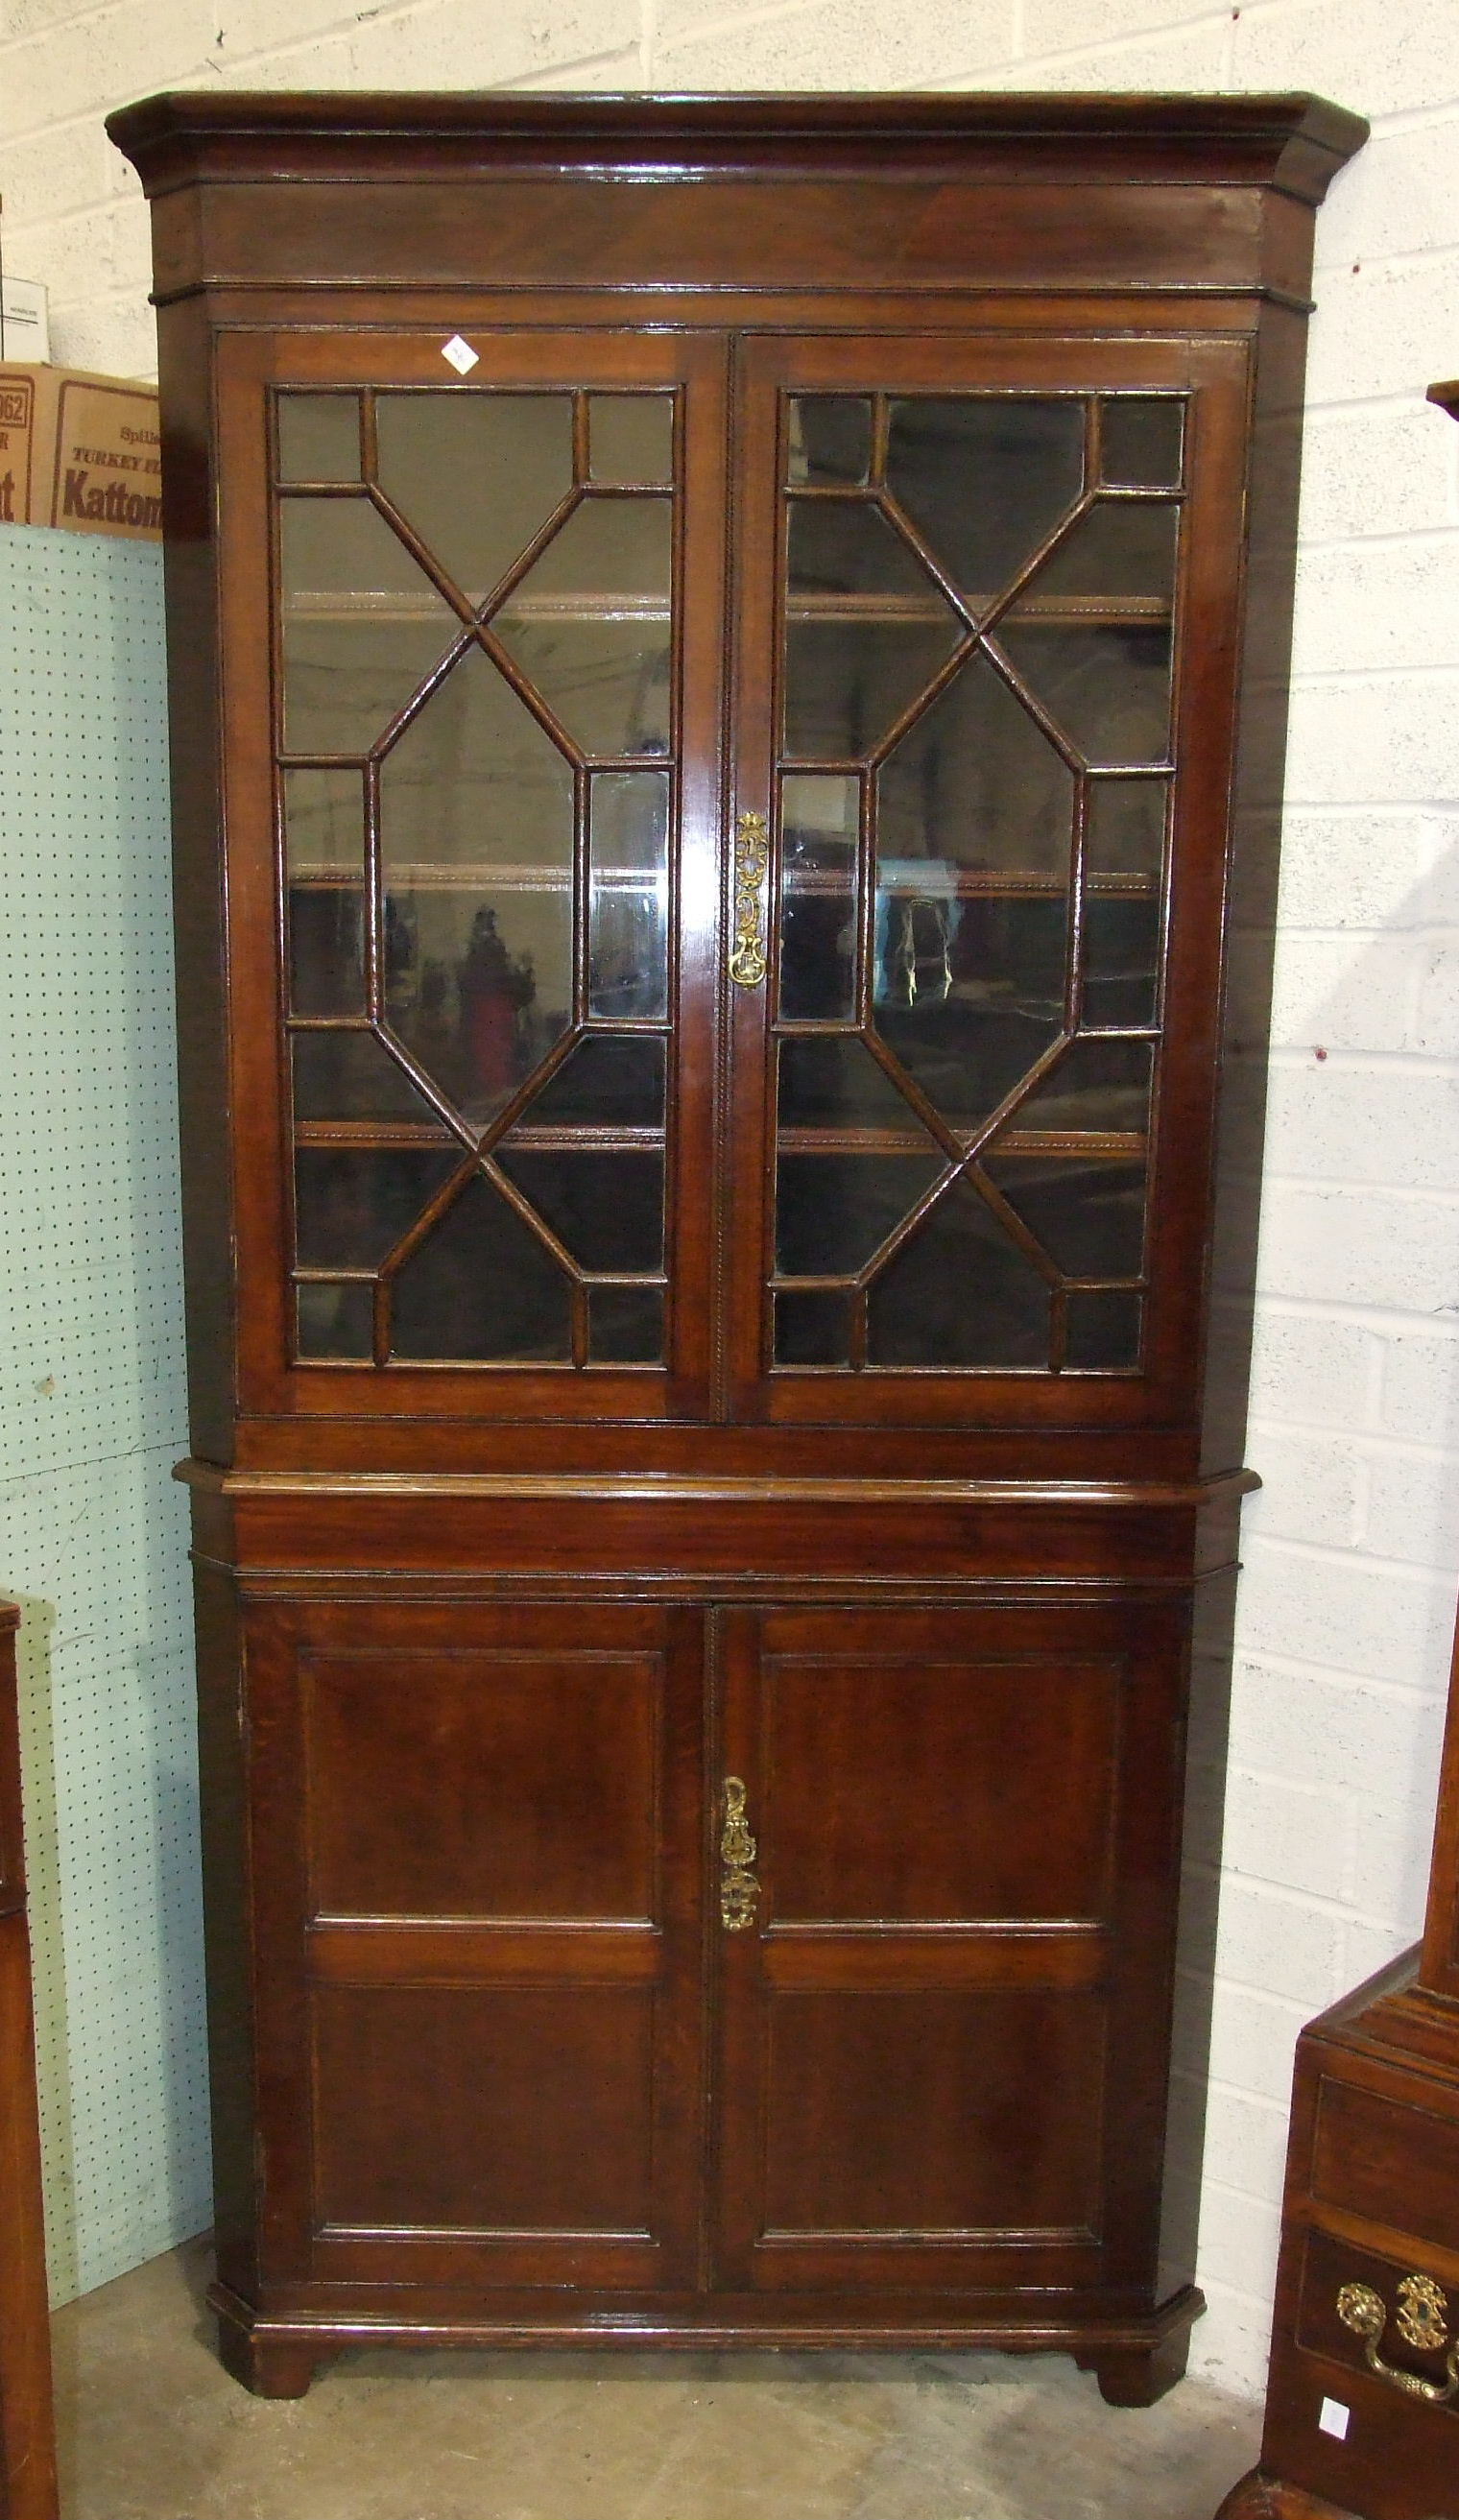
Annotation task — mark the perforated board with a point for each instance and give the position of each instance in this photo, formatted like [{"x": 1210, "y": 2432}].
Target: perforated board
[{"x": 92, "y": 1402}]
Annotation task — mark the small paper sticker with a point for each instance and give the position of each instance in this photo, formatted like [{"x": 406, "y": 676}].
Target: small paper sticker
[
  {"x": 460, "y": 355},
  {"x": 1333, "y": 2418}
]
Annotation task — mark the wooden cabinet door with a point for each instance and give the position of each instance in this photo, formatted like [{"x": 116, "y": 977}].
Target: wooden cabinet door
[
  {"x": 944, "y": 2014},
  {"x": 477, "y": 1866},
  {"x": 989, "y": 596},
  {"x": 472, "y": 734}
]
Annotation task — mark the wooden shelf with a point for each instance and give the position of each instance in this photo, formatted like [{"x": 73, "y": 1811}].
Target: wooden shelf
[
  {"x": 437, "y": 874},
  {"x": 567, "y": 1137},
  {"x": 387, "y": 604},
  {"x": 1031, "y": 612},
  {"x": 1100, "y": 1145},
  {"x": 969, "y": 883}
]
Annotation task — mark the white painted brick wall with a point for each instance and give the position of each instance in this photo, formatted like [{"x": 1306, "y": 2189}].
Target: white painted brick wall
[{"x": 1348, "y": 1597}]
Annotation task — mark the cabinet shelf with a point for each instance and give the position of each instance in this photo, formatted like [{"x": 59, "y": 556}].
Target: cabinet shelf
[
  {"x": 1031, "y": 611},
  {"x": 576, "y": 1137},
  {"x": 968, "y": 883},
  {"x": 1115, "y": 1146},
  {"x": 422, "y": 874}
]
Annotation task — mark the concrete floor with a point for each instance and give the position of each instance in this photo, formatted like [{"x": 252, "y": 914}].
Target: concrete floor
[{"x": 151, "y": 2429}]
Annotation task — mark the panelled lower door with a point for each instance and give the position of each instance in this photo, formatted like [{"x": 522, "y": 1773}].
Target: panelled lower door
[
  {"x": 481, "y": 2060},
  {"x": 946, "y": 1945}
]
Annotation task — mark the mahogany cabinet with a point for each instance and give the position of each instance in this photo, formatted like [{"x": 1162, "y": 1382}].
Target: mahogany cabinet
[
  {"x": 728, "y": 674},
  {"x": 27, "y": 2440}
]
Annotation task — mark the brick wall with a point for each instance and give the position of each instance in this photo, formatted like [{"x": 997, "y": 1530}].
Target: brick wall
[{"x": 1353, "y": 1552}]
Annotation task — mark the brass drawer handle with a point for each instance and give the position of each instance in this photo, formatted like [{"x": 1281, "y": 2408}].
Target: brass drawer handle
[
  {"x": 748, "y": 964},
  {"x": 1421, "y": 2321},
  {"x": 739, "y": 1887}
]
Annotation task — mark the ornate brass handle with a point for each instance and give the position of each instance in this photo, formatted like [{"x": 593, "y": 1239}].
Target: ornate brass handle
[
  {"x": 1421, "y": 2321},
  {"x": 739, "y": 1887},
  {"x": 748, "y": 964}
]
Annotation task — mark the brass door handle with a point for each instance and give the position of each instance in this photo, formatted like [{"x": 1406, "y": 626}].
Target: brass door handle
[
  {"x": 739, "y": 1887},
  {"x": 1421, "y": 2321},
  {"x": 747, "y": 963}
]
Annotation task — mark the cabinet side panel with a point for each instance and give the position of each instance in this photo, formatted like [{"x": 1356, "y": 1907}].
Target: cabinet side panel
[
  {"x": 228, "y": 1932},
  {"x": 185, "y": 370},
  {"x": 1273, "y": 475}
]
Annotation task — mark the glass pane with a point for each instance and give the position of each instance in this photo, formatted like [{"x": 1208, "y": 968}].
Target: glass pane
[
  {"x": 607, "y": 1081},
  {"x": 1122, "y": 962},
  {"x": 1088, "y": 1214},
  {"x": 353, "y": 1204},
  {"x": 1107, "y": 688},
  {"x": 319, "y": 438},
  {"x": 362, "y": 626},
  {"x": 628, "y": 915},
  {"x": 479, "y": 986},
  {"x": 335, "y": 1321},
  {"x": 477, "y": 475},
  {"x": 845, "y": 546},
  {"x": 813, "y": 1330},
  {"x": 326, "y": 950},
  {"x": 829, "y": 441},
  {"x": 481, "y": 1288},
  {"x": 1096, "y": 1085},
  {"x": 608, "y": 1209},
  {"x": 836, "y": 1082},
  {"x": 1104, "y": 1329},
  {"x": 819, "y": 820},
  {"x": 1121, "y": 548},
  {"x": 1126, "y": 830},
  {"x": 832, "y": 1212},
  {"x": 975, "y": 785},
  {"x": 1142, "y": 436},
  {"x": 960, "y": 1293},
  {"x": 847, "y": 682},
  {"x": 968, "y": 1041},
  {"x": 589, "y": 625},
  {"x": 985, "y": 478},
  {"x": 323, "y": 822},
  {"x": 352, "y": 1076},
  {"x": 474, "y": 782},
  {"x": 627, "y": 1324},
  {"x": 631, "y": 437}
]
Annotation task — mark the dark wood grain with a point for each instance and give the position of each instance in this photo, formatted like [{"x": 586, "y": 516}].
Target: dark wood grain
[
  {"x": 479, "y": 1648},
  {"x": 27, "y": 2443}
]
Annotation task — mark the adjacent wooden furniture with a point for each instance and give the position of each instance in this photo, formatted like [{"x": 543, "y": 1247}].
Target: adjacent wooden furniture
[
  {"x": 27, "y": 2446},
  {"x": 1362, "y": 2398},
  {"x": 727, "y": 673}
]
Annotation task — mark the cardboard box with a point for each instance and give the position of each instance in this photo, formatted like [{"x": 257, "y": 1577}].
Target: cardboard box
[
  {"x": 24, "y": 331},
  {"x": 79, "y": 451}
]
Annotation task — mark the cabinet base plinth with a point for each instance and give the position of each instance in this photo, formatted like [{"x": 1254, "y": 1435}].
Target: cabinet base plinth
[
  {"x": 264, "y": 2363},
  {"x": 1139, "y": 2376}
]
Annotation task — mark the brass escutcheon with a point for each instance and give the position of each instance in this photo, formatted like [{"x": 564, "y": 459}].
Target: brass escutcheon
[
  {"x": 739, "y": 1887},
  {"x": 1421, "y": 2320},
  {"x": 747, "y": 963}
]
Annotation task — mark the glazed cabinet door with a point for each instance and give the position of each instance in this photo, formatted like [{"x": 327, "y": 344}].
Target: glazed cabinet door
[
  {"x": 471, "y": 591},
  {"x": 985, "y": 690},
  {"x": 477, "y": 1877},
  {"x": 946, "y": 1963}
]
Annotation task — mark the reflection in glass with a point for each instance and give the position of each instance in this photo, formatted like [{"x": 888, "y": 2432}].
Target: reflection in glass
[
  {"x": 1096, "y": 1084},
  {"x": 834, "y": 1082},
  {"x": 606, "y": 1209},
  {"x": 481, "y": 1287},
  {"x": 628, "y": 912},
  {"x": 589, "y": 625},
  {"x": 829, "y": 441},
  {"x": 968, "y": 1044},
  {"x": 1126, "y": 830},
  {"x": 1142, "y": 436},
  {"x": 352, "y": 1076},
  {"x": 819, "y": 820},
  {"x": 352, "y": 1204},
  {"x": 362, "y": 626},
  {"x": 323, "y": 822},
  {"x": 476, "y": 474},
  {"x": 847, "y": 682},
  {"x": 1122, "y": 962},
  {"x": 1106, "y": 687},
  {"x": 631, "y": 437},
  {"x": 475, "y": 781},
  {"x": 626, "y": 1324},
  {"x": 974, "y": 784},
  {"x": 335, "y": 1321},
  {"x": 832, "y": 1212},
  {"x": 1088, "y": 1213},
  {"x": 1104, "y": 1329},
  {"x": 478, "y": 986},
  {"x": 985, "y": 478},
  {"x": 959, "y": 1294},
  {"x": 812, "y": 1329},
  {"x": 319, "y": 438},
  {"x": 845, "y": 546},
  {"x": 326, "y": 950},
  {"x": 607, "y": 1081},
  {"x": 1119, "y": 548}
]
